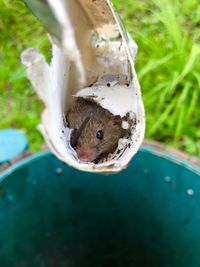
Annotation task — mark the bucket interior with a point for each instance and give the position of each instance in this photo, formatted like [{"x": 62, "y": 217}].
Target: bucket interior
[{"x": 52, "y": 215}]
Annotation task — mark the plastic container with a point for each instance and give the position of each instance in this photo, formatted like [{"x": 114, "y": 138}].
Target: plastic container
[
  {"x": 13, "y": 143},
  {"x": 52, "y": 215}
]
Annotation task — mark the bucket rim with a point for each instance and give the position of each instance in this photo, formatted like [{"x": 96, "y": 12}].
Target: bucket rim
[{"x": 152, "y": 147}]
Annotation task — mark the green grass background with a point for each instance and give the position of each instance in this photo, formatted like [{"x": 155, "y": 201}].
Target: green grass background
[{"x": 168, "y": 66}]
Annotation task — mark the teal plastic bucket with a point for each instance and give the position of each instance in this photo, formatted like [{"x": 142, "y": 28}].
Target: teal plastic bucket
[{"x": 52, "y": 215}]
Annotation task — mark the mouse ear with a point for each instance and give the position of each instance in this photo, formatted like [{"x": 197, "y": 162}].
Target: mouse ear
[{"x": 90, "y": 50}]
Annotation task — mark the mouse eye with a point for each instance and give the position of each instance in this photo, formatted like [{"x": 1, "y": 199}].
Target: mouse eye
[{"x": 99, "y": 135}]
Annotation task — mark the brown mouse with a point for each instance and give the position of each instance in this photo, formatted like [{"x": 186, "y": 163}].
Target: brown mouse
[{"x": 96, "y": 131}]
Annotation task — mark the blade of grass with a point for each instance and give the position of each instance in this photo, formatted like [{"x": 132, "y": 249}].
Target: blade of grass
[
  {"x": 154, "y": 64},
  {"x": 162, "y": 118},
  {"x": 168, "y": 16},
  {"x": 189, "y": 65},
  {"x": 180, "y": 123},
  {"x": 193, "y": 104},
  {"x": 153, "y": 91},
  {"x": 197, "y": 77},
  {"x": 183, "y": 95}
]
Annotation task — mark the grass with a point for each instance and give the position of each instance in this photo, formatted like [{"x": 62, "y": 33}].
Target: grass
[
  {"x": 168, "y": 65},
  {"x": 18, "y": 103}
]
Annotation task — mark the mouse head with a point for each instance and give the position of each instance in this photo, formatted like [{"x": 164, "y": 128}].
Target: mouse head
[{"x": 98, "y": 134}]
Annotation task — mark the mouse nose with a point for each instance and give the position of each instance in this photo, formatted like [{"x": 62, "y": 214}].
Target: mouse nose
[{"x": 85, "y": 155}]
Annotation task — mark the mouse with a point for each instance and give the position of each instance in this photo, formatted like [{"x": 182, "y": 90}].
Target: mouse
[{"x": 96, "y": 131}]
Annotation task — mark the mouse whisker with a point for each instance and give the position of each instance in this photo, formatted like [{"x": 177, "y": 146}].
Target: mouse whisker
[{"x": 101, "y": 144}]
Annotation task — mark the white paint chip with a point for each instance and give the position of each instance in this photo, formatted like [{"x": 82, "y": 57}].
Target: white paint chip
[{"x": 125, "y": 125}]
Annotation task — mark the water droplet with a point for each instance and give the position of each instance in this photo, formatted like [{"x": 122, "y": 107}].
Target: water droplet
[
  {"x": 190, "y": 192},
  {"x": 168, "y": 179},
  {"x": 59, "y": 170},
  {"x": 10, "y": 197},
  {"x": 146, "y": 171}
]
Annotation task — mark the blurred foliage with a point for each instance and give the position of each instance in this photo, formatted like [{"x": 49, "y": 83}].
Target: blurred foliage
[
  {"x": 168, "y": 65},
  {"x": 19, "y": 106}
]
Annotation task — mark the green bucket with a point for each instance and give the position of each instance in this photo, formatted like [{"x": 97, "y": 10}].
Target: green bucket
[{"x": 52, "y": 215}]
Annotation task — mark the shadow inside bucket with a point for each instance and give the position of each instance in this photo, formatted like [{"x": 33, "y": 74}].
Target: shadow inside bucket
[{"x": 54, "y": 216}]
